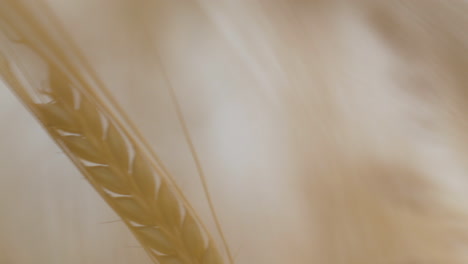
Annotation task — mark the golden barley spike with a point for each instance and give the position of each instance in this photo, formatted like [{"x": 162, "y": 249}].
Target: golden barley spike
[{"x": 138, "y": 190}]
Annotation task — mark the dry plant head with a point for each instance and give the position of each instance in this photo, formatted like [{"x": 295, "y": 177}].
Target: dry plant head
[{"x": 254, "y": 132}]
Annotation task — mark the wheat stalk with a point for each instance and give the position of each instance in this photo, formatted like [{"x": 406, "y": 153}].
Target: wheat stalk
[{"x": 113, "y": 163}]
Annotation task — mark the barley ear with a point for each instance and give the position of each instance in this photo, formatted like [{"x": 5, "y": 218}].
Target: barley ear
[{"x": 138, "y": 190}]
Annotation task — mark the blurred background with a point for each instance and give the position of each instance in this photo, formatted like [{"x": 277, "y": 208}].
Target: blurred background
[{"x": 331, "y": 132}]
